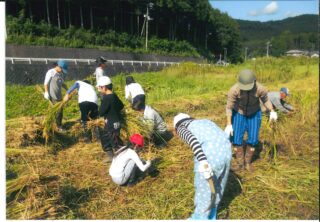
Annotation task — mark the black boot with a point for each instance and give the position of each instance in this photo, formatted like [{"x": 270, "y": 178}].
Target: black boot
[
  {"x": 86, "y": 133},
  {"x": 108, "y": 157}
]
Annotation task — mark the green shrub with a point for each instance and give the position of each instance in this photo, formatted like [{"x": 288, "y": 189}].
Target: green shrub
[{"x": 23, "y": 31}]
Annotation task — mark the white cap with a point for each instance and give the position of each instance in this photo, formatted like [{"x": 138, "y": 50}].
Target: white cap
[
  {"x": 103, "y": 81},
  {"x": 179, "y": 117}
]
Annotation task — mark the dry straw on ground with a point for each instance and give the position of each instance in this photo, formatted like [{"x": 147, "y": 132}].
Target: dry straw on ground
[{"x": 74, "y": 183}]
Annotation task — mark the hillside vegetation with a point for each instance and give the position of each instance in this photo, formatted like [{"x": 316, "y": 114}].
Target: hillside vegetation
[
  {"x": 300, "y": 32},
  {"x": 67, "y": 180},
  {"x": 175, "y": 27}
]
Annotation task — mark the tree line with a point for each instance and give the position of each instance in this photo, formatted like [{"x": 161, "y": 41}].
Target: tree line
[
  {"x": 194, "y": 22},
  {"x": 299, "y": 32}
]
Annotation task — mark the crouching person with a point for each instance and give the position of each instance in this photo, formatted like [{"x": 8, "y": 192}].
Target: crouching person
[
  {"x": 126, "y": 163},
  {"x": 212, "y": 157},
  {"x": 160, "y": 134}
]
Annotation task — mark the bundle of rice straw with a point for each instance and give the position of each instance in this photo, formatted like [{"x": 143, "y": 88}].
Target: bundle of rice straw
[
  {"x": 49, "y": 122},
  {"x": 133, "y": 122}
]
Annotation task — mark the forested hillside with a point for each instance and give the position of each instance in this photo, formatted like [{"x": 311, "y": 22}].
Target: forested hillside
[
  {"x": 189, "y": 27},
  {"x": 299, "y": 32}
]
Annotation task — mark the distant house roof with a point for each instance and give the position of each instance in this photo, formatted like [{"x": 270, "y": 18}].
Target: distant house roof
[{"x": 296, "y": 52}]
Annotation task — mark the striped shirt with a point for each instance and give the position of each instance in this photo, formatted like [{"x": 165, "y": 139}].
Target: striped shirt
[{"x": 191, "y": 140}]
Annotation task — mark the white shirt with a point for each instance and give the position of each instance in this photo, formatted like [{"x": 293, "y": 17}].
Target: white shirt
[
  {"x": 155, "y": 118},
  {"x": 87, "y": 93},
  {"x": 49, "y": 75},
  {"x": 132, "y": 90},
  {"x": 99, "y": 72},
  {"x": 120, "y": 161}
]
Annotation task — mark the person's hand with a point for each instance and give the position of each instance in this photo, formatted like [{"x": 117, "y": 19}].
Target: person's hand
[
  {"x": 148, "y": 163},
  {"x": 205, "y": 169},
  {"x": 273, "y": 116},
  {"x": 66, "y": 97},
  {"x": 46, "y": 95},
  {"x": 229, "y": 130}
]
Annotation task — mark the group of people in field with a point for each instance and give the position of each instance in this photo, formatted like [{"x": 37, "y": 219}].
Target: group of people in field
[{"x": 211, "y": 146}]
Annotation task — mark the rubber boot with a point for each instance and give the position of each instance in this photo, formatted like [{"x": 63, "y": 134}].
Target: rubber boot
[
  {"x": 86, "y": 134},
  {"x": 239, "y": 158},
  {"x": 248, "y": 158},
  {"x": 108, "y": 157},
  {"x": 97, "y": 133}
]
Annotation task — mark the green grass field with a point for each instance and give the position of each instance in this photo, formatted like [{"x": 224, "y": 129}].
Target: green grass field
[{"x": 72, "y": 183}]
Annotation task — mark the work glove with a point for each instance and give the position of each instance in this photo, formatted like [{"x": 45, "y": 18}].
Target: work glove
[
  {"x": 273, "y": 116},
  {"x": 205, "y": 169},
  {"x": 148, "y": 164},
  {"x": 46, "y": 95},
  {"x": 229, "y": 130}
]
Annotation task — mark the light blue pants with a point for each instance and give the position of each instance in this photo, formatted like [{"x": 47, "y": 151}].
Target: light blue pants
[{"x": 217, "y": 148}]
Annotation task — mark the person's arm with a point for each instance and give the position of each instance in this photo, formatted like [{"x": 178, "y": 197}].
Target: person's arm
[
  {"x": 134, "y": 156},
  {"x": 127, "y": 92},
  {"x": 287, "y": 106},
  {"x": 75, "y": 86},
  {"x": 263, "y": 95},
  {"x": 120, "y": 105},
  {"x": 192, "y": 141},
  {"x": 46, "y": 81},
  {"x": 105, "y": 106},
  {"x": 280, "y": 106},
  {"x": 232, "y": 98}
]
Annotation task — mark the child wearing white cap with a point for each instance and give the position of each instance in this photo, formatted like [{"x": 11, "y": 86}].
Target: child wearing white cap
[
  {"x": 212, "y": 157},
  {"x": 110, "y": 109}
]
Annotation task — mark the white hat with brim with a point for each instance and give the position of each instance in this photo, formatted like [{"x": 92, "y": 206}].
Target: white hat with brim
[
  {"x": 179, "y": 117},
  {"x": 103, "y": 81}
]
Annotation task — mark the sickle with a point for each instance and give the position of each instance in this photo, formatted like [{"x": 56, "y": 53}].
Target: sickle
[{"x": 213, "y": 193}]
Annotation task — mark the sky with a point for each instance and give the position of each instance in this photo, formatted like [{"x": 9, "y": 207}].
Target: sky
[{"x": 264, "y": 10}]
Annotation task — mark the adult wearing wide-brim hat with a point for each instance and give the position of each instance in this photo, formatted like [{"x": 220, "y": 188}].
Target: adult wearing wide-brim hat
[{"x": 244, "y": 115}]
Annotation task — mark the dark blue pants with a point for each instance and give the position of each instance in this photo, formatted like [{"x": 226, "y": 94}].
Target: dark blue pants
[{"x": 241, "y": 124}]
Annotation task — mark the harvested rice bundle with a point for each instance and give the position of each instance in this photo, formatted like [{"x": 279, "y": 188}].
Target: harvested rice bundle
[{"x": 49, "y": 122}]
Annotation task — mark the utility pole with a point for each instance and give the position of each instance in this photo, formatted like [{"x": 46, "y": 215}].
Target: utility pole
[
  {"x": 147, "y": 27},
  {"x": 147, "y": 22},
  {"x": 268, "y": 45},
  {"x": 245, "y": 53}
]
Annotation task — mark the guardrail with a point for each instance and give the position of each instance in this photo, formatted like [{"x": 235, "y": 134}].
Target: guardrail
[
  {"x": 88, "y": 61},
  {"x": 91, "y": 61}
]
